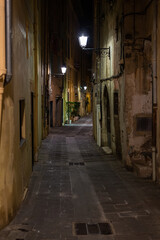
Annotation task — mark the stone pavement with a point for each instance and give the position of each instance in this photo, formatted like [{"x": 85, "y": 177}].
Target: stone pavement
[{"x": 77, "y": 192}]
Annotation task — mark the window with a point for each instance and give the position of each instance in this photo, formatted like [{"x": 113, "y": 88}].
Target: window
[
  {"x": 143, "y": 124},
  {"x": 22, "y": 120}
]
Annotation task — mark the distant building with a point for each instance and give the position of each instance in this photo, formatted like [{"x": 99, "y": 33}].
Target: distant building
[{"x": 65, "y": 50}]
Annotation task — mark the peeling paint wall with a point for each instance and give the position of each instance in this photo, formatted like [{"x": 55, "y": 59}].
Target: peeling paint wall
[
  {"x": 127, "y": 28},
  {"x": 138, "y": 79}
]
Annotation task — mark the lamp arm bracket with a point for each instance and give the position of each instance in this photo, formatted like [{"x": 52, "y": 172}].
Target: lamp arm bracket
[{"x": 103, "y": 51}]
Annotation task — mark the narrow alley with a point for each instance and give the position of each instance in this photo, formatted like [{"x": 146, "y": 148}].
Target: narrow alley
[{"x": 78, "y": 192}]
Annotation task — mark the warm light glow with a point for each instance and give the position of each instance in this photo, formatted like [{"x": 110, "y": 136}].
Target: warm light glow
[
  {"x": 85, "y": 88},
  {"x": 83, "y": 41},
  {"x": 49, "y": 69},
  {"x": 63, "y": 69}
]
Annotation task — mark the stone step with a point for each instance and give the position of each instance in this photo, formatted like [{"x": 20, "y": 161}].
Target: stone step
[
  {"x": 142, "y": 170},
  {"x": 107, "y": 150}
]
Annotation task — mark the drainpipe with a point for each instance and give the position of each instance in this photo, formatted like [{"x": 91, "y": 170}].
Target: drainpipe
[
  {"x": 2, "y": 54},
  {"x": 8, "y": 42},
  {"x": 154, "y": 93}
]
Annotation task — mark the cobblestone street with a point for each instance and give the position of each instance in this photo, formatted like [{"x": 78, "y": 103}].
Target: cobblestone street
[{"x": 78, "y": 192}]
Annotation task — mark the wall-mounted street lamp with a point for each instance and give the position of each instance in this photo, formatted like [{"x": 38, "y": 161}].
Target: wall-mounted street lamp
[
  {"x": 83, "y": 43},
  {"x": 85, "y": 88},
  {"x": 63, "y": 72},
  {"x": 63, "y": 69}
]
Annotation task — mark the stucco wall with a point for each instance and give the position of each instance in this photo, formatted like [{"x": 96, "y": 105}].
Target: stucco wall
[
  {"x": 16, "y": 154},
  {"x": 138, "y": 80},
  {"x": 158, "y": 90},
  {"x": 128, "y": 72},
  {"x": 15, "y": 161}
]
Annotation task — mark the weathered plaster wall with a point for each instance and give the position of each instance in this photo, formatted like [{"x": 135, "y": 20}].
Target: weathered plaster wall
[
  {"x": 138, "y": 87},
  {"x": 15, "y": 161},
  {"x": 128, "y": 73},
  {"x": 16, "y": 155},
  {"x": 158, "y": 90},
  {"x": 110, "y": 67}
]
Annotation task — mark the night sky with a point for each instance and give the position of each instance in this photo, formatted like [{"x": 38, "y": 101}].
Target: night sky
[{"x": 84, "y": 10}]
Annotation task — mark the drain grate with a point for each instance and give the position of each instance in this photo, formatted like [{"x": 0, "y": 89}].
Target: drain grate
[
  {"x": 88, "y": 229},
  {"x": 105, "y": 228},
  {"x": 93, "y": 228},
  {"x": 76, "y": 163},
  {"x": 23, "y": 230},
  {"x": 80, "y": 229}
]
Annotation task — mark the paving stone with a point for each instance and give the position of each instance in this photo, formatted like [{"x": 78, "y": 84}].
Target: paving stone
[
  {"x": 100, "y": 191},
  {"x": 132, "y": 237}
]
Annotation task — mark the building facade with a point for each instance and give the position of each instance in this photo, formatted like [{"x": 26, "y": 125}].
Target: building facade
[
  {"x": 23, "y": 112},
  {"x": 126, "y": 82}
]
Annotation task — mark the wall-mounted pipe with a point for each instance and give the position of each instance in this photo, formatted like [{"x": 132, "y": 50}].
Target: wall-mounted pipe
[
  {"x": 2, "y": 57},
  {"x": 2, "y": 41},
  {"x": 8, "y": 41},
  {"x": 154, "y": 93},
  {"x": 114, "y": 76}
]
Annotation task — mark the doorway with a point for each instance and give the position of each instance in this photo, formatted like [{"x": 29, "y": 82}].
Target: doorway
[
  {"x": 51, "y": 113},
  {"x": 59, "y": 109},
  {"x": 107, "y": 116},
  {"x": 117, "y": 125}
]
